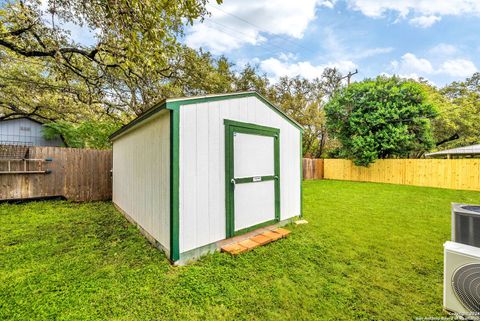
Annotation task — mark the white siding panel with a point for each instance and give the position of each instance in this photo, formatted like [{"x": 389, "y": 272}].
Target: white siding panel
[
  {"x": 254, "y": 204},
  {"x": 141, "y": 176},
  {"x": 202, "y": 173},
  {"x": 254, "y": 155},
  {"x": 202, "y": 165},
  {"x": 188, "y": 168}
]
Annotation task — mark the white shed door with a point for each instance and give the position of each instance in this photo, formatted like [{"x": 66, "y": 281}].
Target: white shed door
[{"x": 253, "y": 178}]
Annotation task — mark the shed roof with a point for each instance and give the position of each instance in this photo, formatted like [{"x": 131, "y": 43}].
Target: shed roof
[
  {"x": 466, "y": 150},
  {"x": 201, "y": 99}
]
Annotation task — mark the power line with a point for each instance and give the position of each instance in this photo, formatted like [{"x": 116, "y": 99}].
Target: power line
[
  {"x": 260, "y": 29},
  {"x": 249, "y": 37}
]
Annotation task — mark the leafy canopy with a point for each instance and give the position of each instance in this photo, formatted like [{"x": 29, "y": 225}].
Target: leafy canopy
[
  {"x": 459, "y": 113},
  {"x": 304, "y": 100},
  {"x": 381, "y": 118},
  {"x": 88, "y": 134},
  {"x": 134, "y": 53}
]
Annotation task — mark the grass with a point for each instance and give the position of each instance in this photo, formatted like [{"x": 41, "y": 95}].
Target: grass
[{"x": 370, "y": 251}]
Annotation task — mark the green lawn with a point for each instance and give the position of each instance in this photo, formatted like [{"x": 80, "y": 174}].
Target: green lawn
[{"x": 370, "y": 251}]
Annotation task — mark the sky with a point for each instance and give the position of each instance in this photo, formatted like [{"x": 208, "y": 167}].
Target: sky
[{"x": 438, "y": 40}]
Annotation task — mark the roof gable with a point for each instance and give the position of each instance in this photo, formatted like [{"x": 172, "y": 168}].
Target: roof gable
[{"x": 172, "y": 103}]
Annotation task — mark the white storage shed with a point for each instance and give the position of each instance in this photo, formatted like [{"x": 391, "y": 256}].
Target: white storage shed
[{"x": 191, "y": 172}]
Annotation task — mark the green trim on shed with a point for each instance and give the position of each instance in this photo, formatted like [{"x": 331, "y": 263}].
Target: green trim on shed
[
  {"x": 220, "y": 97},
  {"x": 229, "y": 220},
  {"x": 174, "y": 181},
  {"x": 240, "y": 124},
  {"x": 232, "y": 127},
  {"x": 301, "y": 174},
  {"x": 254, "y": 227},
  {"x": 149, "y": 113}
]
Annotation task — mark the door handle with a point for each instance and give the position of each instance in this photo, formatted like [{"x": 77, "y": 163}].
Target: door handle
[
  {"x": 233, "y": 181},
  {"x": 276, "y": 177}
]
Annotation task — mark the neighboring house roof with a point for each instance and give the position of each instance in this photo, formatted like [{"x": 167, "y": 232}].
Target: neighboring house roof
[
  {"x": 23, "y": 117},
  {"x": 466, "y": 150},
  {"x": 201, "y": 99},
  {"x": 32, "y": 120}
]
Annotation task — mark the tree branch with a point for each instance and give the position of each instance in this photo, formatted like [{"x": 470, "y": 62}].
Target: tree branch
[
  {"x": 449, "y": 139},
  {"x": 27, "y": 53},
  {"x": 18, "y": 32}
]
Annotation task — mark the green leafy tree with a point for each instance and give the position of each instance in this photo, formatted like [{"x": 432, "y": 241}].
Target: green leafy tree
[
  {"x": 199, "y": 73},
  {"x": 386, "y": 117},
  {"x": 134, "y": 54},
  {"x": 29, "y": 88},
  {"x": 445, "y": 129},
  {"x": 459, "y": 113},
  {"x": 249, "y": 78},
  {"x": 304, "y": 101},
  {"x": 89, "y": 134},
  {"x": 301, "y": 99}
]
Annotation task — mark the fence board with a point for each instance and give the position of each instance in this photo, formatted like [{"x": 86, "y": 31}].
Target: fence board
[
  {"x": 443, "y": 173},
  {"x": 76, "y": 174},
  {"x": 312, "y": 168}
]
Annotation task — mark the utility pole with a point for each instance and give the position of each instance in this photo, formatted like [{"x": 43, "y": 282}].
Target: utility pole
[{"x": 349, "y": 76}]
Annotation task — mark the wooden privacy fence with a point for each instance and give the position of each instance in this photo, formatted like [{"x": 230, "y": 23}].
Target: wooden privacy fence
[
  {"x": 76, "y": 174},
  {"x": 312, "y": 168},
  {"x": 444, "y": 173}
]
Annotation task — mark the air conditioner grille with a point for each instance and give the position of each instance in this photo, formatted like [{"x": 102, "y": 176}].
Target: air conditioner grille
[
  {"x": 466, "y": 284},
  {"x": 467, "y": 229}
]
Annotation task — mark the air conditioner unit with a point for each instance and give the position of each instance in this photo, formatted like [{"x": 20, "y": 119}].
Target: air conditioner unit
[
  {"x": 466, "y": 224},
  {"x": 461, "y": 280}
]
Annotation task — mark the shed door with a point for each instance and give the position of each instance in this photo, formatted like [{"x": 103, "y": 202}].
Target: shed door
[{"x": 253, "y": 176}]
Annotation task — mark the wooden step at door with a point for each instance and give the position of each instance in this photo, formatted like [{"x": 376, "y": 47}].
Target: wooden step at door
[{"x": 263, "y": 238}]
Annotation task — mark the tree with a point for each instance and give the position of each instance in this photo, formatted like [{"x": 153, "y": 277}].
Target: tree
[
  {"x": 304, "y": 100},
  {"x": 88, "y": 134},
  {"x": 459, "y": 113},
  {"x": 135, "y": 50},
  {"x": 33, "y": 89},
  {"x": 249, "y": 79},
  {"x": 381, "y": 118},
  {"x": 301, "y": 99},
  {"x": 331, "y": 82},
  {"x": 444, "y": 128},
  {"x": 199, "y": 73}
]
